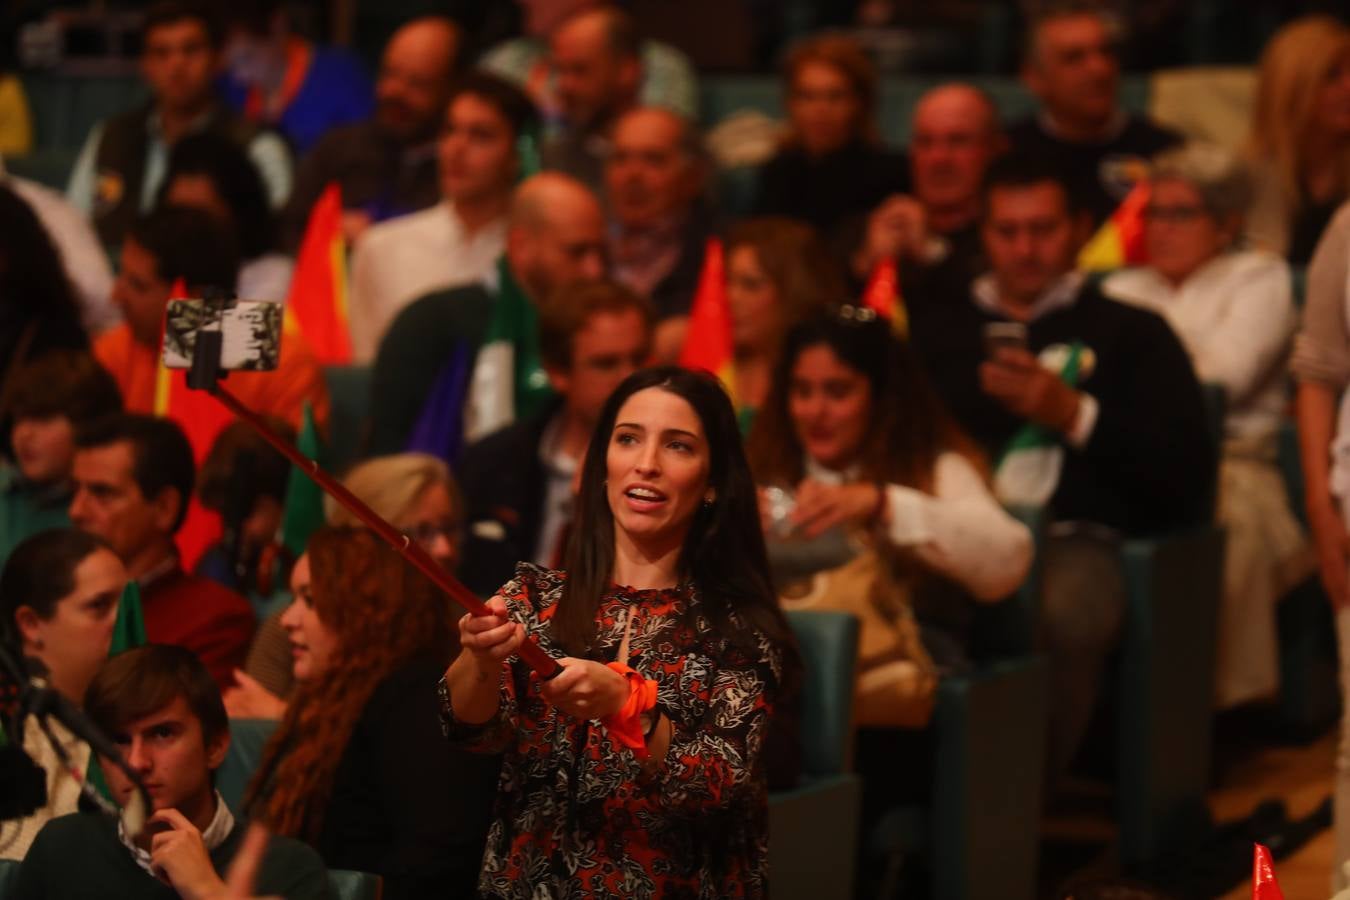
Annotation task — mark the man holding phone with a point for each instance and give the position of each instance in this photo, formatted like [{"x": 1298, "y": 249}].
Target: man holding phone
[
  {"x": 162, "y": 710},
  {"x": 1113, "y": 400}
]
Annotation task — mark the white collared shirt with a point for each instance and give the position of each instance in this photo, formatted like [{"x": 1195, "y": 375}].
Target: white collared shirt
[{"x": 222, "y": 823}]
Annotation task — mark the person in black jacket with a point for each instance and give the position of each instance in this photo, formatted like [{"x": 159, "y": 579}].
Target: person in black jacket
[
  {"x": 518, "y": 482},
  {"x": 1108, "y": 416}
]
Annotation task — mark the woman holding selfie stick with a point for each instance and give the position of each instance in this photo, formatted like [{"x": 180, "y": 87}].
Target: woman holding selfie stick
[{"x": 637, "y": 771}]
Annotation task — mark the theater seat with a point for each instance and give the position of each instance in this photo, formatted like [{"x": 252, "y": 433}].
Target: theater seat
[
  {"x": 349, "y": 885},
  {"x": 248, "y": 737},
  {"x": 813, "y": 828},
  {"x": 348, "y": 416}
]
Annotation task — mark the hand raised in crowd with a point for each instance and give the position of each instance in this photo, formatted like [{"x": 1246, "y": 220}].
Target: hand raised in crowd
[
  {"x": 586, "y": 689},
  {"x": 1016, "y": 379},
  {"x": 243, "y": 872},
  {"x": 179, "y": 854},
  {"x": 490, "y": 639},
  {"x": 250, "y": 700},
  {"x": 896, "y": 228},
  {"x": 821, "y": 506},
  {"x": 1333, "y": 550}
]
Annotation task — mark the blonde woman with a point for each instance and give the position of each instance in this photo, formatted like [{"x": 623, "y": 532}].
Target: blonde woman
[
  {"x": 413, "y": 491},
  {"x": 1300, "y": 140}
]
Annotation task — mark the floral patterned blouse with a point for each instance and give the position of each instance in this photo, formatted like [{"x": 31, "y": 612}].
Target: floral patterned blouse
[{"x": 576, "y": 813}]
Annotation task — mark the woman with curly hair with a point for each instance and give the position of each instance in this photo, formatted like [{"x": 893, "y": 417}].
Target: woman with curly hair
[{"x": 358, "y": 767}]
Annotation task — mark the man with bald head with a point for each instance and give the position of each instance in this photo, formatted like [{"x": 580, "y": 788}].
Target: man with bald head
[
  {"x": 386, "y": 166},
  {"x": 654, "y": 183},
  {"x": 597, "y": 70},
  {"x": 555, "y": 236},
  {"x": 1071, "y": 65},
  {"x": 933, "y": 232}
]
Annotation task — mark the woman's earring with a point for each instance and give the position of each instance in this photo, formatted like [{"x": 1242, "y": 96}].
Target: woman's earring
[{"x": 708, "y": 502}]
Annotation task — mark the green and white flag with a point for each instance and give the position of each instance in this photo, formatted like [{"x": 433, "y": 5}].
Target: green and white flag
[
  {"x": 1028, "y": 472},
  {"x": 509, "y": 381}
]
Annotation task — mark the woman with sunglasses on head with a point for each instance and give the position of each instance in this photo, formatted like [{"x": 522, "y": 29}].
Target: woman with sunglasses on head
[{"x": 637, "y": 771}]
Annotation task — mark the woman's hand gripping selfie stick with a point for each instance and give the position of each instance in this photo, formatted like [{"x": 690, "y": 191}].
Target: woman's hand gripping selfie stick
[{"x": 205, "y": 375}]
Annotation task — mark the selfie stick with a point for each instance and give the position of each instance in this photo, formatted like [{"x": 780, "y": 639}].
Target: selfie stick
[{"x": 205, "y": 375}]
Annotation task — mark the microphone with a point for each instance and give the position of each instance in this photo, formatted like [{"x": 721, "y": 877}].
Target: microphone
[{"x": 40, "y": 700}]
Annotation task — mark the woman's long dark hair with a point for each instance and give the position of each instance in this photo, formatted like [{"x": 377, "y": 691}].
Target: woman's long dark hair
[
  {"x": 909, "y": 426},
  {"x": 236, "y": 181},
  {"x": 34, "y": 288},
  {"x": 723, "y": 552}
]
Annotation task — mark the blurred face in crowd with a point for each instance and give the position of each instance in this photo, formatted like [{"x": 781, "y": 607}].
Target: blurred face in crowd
[
  {"x": 1030, "y": 238},
  {"x": 198, "y": 192},
  {"x": 609, "y": 347},
  {"x": 108, "y": 503},
  {"x": 44, "y": 447},
  {"x": 1332, "y": 115},
  {"x": 140, "y": 293},
  {"x": 954, "y": 139},
  {"x": 753, "y": 299},
  {"x": 657, "y": 467},
  {"x": 431, "y": 522},
  {"x": 173, "y": 758},
  {"x": 593, "y": 81},
  {"x": 1180, "y": 233},
  {"x": 830, "y": 404},
  {"x": 649, "y": 177},
  {"x": 824, "y": 109},
  {"x": 541, "y": 17},
  {"x": 565, "y": 244},
  {"x": 74, "y": 642},
  {"x": 312, "y": 642},
  {"x": 179, "y": 63},
  {"x": 414, "y": 79},
  {"x": 477, "y": 151},
  {"x": 1074, "y": 70}
]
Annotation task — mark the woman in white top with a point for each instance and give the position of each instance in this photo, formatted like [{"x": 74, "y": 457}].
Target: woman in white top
[
  {"x": 1233, "y": 312},
  {"x": 853, "y": 434},
  {"x": 58, "y": 603}
]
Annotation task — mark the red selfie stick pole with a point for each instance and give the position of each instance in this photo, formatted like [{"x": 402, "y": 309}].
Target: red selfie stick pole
[{"x": 532, "y": 653}]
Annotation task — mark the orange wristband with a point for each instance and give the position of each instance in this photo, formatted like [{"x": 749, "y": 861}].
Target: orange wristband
[{"x": 624, "y": 726}]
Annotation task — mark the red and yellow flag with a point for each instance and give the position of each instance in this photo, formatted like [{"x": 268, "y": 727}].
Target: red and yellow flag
[
  {"x": 317, "y": 303},
  {"x": 882, "y": 296},
  {"x": 707, "y": 344},
  {"x": 1120, "y": 239},
  {"x": 202, "y": 419}
]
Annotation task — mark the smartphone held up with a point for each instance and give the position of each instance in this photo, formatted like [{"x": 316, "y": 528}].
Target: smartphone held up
[{"x": 250, "y": 332}]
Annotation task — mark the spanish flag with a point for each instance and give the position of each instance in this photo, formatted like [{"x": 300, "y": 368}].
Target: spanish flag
[
  {"x": 317, "y": 303},
  {"x": 1120, "y": 240},
  {"x": 882, "y": 296},
  {"x": 202, "y": 419},
  {"x": 707, "y": 343}
]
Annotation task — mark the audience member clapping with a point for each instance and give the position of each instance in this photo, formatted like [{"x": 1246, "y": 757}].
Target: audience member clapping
[
  {"x": 58, "y": 598},
  {"x": 852, "y": 440},
  {"x": 50, "y": 400},
  {"x": 357, "y": 768},
  {"x": 119, "y": 171},
  {"x": 160, "y": 708},
  {"x": 555, "y": 236},
  {"x": 385, "y": 166},
  {"x": 191, "y": 246},
  {"x": 1300, "y": 137},
  {"x": 133, "y": 478},
  {"x": 831, "y": 166},
  {"x": 209, "y": 173},
  {"x": 1071, "y": 64},
  {"x": 519, "y": 482},
  {"x": 778, "y": 273},
  {"x": 459, "y": 240},
  {"x": 1102, "y": 397},
  {"x": 1233, "y": 312}
]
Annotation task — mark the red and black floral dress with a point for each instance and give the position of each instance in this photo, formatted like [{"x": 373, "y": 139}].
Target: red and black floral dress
[{"x": 576, "y": 813}]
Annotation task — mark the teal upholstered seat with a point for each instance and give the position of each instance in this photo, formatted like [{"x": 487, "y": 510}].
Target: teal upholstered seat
[{"x": 248, "y": 737}]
